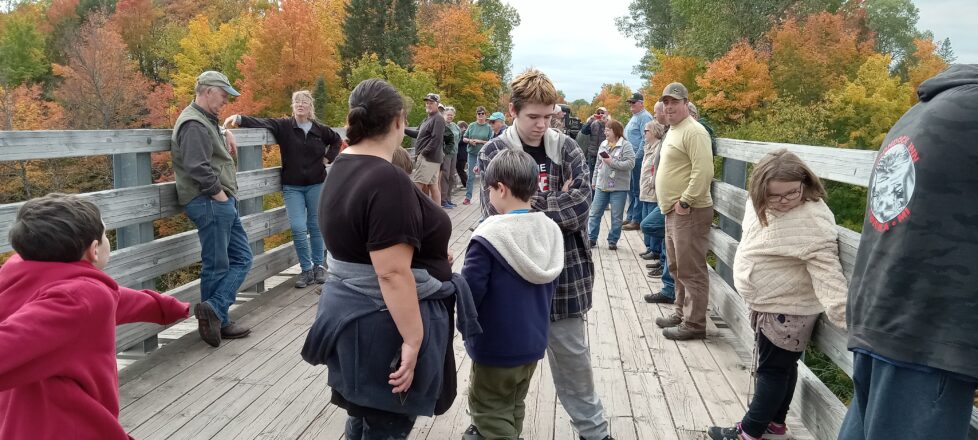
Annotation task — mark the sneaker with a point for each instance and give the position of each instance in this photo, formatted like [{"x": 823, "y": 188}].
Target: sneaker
[
  {"x": 682, "y": 333},
  {"x": 607, "y": 437},
  {"x": 208, "y": 324},
  {"x": 643, "y": 254},
  {"x": 472, "y": 433},
  {"x": 466, "y": 202},
  {"x": 654, "y": 265},
  {"x": 447, "y": 205},
  {"x": 612, "y": 247},
  {"x": 319, "y": 274},
  {"x": 451, "y": 204},
  {"x": 656, "y": 272},
  {"x": 668, "y": 321},
  {"x": 658, "y": 298},
  {"x": 776, "y": 431},
  {"x": 592, "y": 243},
  {"x": 304, "y": 279},
  {"x": 735, "y": 433}
]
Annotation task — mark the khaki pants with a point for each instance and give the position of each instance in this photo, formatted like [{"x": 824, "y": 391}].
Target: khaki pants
[
  {"x": 448, "y": 181},
  {"x": 687, "y": 238}
]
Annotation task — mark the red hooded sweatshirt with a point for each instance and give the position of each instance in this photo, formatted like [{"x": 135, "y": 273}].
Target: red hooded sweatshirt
[{"x": 58, "y": 376}]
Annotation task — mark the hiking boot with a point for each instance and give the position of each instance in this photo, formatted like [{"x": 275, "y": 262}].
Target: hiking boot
[
  {"x": 683, "y": 333},
  {"x": 668, "y": 321},
  {"x": 654, "y": 265},
  {"x": 658, "y": 298},
  {"x": 208, "y": 324},
  {"x": 472, "y": 433},
  {"x": 305, "y": 278},
  {"x": 592, "y": 243},
  {"x": 612, "y": 247},
  {"x": 319, "y": 274},
  {"x": 631, "y": 226},
  {"x": 656, "y": 273},
  {"x": 234, "y": 331}
]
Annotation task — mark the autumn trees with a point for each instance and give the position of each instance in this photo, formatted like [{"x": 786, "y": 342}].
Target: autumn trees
[{"x": 826, "y": 72}]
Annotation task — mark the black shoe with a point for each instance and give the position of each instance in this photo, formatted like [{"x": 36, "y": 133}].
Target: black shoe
[
  {"x": 472, "y": 433},
  {"x": 651, "y": 256},
  {"x": 592, "y": 244},
  {"x": 208, "y": 324},
  {"x": 612, "y": 247},
  {"x": 656, "y": 273},
  {"x": 658, "y": 298},
  {"x": 654, "y": 264},
  {"x": 607, "y": 437}
]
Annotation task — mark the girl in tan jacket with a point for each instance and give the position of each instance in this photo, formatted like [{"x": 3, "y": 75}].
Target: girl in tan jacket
[{"x": 788, "y": 271}]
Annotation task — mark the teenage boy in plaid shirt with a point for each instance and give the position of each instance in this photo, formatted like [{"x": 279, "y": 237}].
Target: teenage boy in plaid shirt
[{"x": 564, "y": 195}]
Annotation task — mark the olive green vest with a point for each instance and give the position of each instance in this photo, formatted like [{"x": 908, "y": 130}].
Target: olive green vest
[{"x": 221, "y": 160}]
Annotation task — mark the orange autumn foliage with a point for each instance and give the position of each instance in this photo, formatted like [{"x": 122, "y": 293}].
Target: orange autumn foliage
[
  {"x": 926, "y": 64},
  {"x": 736, "y": 83},
  {"x": 292, "y": 47},
  {"x": 816, "y": 54},
  {"x": 674, "y": 68}
]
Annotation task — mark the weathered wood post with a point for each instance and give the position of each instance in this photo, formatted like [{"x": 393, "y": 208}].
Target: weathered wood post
[
  {"x": 734, "y": 173},
  {"x": 134, "y": 169},
  {"x": 250, "y": 158}
]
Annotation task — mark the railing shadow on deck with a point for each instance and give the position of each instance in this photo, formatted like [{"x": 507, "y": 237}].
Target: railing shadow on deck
[{"x": 136, "y": 202}]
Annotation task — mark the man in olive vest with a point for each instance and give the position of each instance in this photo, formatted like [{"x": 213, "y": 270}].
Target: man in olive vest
[{"x": 207, "y": 187}]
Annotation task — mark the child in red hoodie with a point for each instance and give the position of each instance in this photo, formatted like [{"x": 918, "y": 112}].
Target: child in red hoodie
[{"x": 58, "y": 313}]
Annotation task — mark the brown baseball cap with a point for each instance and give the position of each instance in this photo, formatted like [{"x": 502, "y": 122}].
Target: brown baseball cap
[{"x": 675, "y": 90}]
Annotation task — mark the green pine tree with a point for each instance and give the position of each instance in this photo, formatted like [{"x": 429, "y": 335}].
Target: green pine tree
[
  {"x": 320, "y": 99},
  {"x": 383, "y": 27}
]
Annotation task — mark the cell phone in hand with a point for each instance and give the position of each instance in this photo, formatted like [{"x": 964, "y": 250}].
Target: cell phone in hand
[
  {"x": 395, "y": 364},
  {"x": 604, "y": 154}
]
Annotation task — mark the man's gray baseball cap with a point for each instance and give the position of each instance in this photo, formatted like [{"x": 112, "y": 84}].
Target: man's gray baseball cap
[
  {"x": 675, "y": 90},
  {"x": 432, "y": 97},
  {"x": 217, "y": 79}
]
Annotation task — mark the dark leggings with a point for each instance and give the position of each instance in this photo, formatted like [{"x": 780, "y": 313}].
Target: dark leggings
[
  {"x": 379, "y": 427},
  {"x": 463, "y": 156},
  {"x": 777, "y": 372}
]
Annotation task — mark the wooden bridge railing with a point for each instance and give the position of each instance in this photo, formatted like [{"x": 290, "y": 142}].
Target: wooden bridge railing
[
  {"x": 137, "y": 202},
  {"x": 821, "y": 411}
]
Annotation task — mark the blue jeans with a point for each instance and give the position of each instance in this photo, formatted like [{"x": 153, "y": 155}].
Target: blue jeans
[
  {"x": 379, "y": 427},
  {"x": 600, "y": 202},
  {"x": 654, "y": 225},
  {"x": 634, "y": 204},
  {"x": 302, "y": 206},
  {"x": 473, "y": 161},
  {"x": 890, "y": 401},
  {"x": 224, "y": 252},
  {"x": 652, "y": 243}
]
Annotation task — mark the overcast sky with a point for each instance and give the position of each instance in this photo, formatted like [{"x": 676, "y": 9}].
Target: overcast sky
[{"x": 576, "y": 42}]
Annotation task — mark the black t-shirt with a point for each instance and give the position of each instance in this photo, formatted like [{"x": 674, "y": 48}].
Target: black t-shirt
[
  {"x": 539, "y": 154},
  {"x": 372, "y": 205}
]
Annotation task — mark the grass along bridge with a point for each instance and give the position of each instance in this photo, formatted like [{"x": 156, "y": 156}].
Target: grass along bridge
[{"x": 259, "y": 387}]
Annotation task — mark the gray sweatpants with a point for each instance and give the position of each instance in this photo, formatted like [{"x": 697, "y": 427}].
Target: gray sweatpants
[
  {"x": 448, "y": 177},
  {"x": 570, "y": 363}
]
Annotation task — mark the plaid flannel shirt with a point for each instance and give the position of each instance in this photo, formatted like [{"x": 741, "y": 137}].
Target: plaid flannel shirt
[{"x": 570, "y": 211}]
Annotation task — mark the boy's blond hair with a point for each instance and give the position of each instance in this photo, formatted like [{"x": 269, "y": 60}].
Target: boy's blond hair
[{"x": 532, "y": 87}]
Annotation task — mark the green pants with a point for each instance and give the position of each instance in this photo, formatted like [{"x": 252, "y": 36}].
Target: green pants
[{"x": 496, "y": 397}]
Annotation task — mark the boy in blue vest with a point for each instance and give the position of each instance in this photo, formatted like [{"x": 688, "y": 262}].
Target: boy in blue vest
[{"x": 511, "y": 265}]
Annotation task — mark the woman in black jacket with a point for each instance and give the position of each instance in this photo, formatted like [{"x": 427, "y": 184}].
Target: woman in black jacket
[{"x": 306, "y": 147}]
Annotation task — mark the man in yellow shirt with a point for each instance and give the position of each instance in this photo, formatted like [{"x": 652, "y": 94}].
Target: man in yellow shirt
[{"x": 682, "y": 185}]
